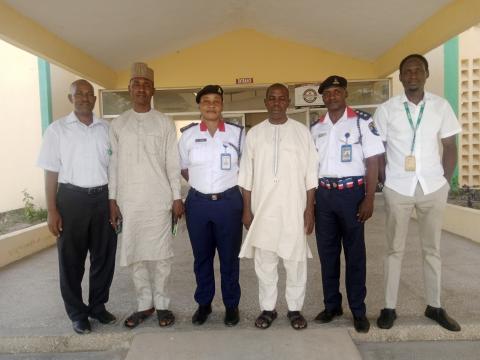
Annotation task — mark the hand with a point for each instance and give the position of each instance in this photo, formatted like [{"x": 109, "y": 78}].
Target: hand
[
  {"x": 308, "y": 220},
  {"x": 247, "y": 218},
  {"x": 365, "y": 210},
  {"x": 54, "y": 221},
  {"x": 178, "y": 209},
  {"x": 115, "y": 214}
]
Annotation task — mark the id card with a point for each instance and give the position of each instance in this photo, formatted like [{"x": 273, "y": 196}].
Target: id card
[
  {"x": 226, "y": 161},
  {"x": 410, "y": 163},
  {"x": 346, "y": 153}
]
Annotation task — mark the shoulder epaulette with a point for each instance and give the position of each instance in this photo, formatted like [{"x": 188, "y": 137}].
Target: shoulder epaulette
[
  {"x": 187, "y": 127},
  {"x": 232, "y": 123},
  {"x": 363, "y": 114}
]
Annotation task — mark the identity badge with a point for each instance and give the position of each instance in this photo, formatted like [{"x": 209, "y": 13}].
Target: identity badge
[
  {"x": 410, "y": 163},
  {"x": 346, "y": 153},
  {"x": 226, "y": 161}
]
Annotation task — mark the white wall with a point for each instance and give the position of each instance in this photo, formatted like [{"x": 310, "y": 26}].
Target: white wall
[{"x": 20, "y": 127}]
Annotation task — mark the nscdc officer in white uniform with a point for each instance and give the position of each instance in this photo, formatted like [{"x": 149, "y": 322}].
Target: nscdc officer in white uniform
[
  {"x": 348, "y": 144},
  {"x": 210, "y": 153}
]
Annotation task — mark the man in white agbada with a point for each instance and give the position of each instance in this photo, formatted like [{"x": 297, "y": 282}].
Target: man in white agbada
[
  {"x": 278, "y": 176},
  {"x": 144, "y": 191}
]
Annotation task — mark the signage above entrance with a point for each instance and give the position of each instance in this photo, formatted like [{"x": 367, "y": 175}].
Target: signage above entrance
[{"x": 245, "y": 80}]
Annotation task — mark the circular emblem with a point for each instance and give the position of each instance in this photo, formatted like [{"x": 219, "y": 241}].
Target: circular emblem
[{"x": 310, "y": 95}]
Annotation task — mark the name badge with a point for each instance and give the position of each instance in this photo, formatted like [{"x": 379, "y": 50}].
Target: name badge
[
  {"x": 410, "y": 164},
  {"x": 201, "y": 140},
  {"x": 346, "y": 153},
  {"x": 225, "y": 161}
]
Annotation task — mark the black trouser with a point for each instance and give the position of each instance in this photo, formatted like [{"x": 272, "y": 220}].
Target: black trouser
[
  {"x": 86, "y": 228},
  {"x": 336, "y": 225}
]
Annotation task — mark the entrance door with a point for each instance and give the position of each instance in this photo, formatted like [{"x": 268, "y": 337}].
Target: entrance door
[
  {"x": 301, "y": 115},
  {"x": 235, "y": 118}
]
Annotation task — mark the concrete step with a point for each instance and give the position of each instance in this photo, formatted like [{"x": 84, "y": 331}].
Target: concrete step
[{"x": 245, "y": 344}]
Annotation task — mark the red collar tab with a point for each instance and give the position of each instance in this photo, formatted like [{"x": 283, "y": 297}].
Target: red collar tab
[
  {"x": 351, "y": 113},
  {"x": 322, "y": 118},
  {"x": 221, "y": 126}
]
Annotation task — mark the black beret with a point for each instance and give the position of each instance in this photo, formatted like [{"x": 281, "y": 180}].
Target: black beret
[
  {"x": 333, "y": 80},
  {"x": 209, "y": 89}
]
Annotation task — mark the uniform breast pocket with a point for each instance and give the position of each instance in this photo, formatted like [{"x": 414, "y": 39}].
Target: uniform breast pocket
[{"x": 198, "y": 154}]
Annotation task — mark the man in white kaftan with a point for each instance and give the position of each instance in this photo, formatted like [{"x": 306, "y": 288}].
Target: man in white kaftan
[
  {"x": 145, "y": 183},
  {"x": 278, "y": 178}
]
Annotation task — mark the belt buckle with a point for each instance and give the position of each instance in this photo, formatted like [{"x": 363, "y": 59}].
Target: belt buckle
[{"x": 214, "y": 197}]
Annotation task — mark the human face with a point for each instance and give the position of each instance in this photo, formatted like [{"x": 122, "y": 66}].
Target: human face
[
  {"x": 334, "y": 98},
  {"x": 277, "y": 102},
  {"x": 413, "y": 75},
  {"x": 141, "y": 91},
  {"x": 82, "y": 96},
  {"x": 211, "y": 106}
]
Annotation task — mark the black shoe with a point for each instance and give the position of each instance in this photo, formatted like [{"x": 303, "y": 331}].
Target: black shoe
[
  {"x": 361, "y": 324},
  {"x": 386, "y": 318},
  {"x": 441, "y": 317},
  {"x": 82, "y": 326},
  {"x": 231, "y": 316},
  {"x": 104, "y": 317},
  {"x": 201, "y": 315},
  {"x": 327, "y": 315}
]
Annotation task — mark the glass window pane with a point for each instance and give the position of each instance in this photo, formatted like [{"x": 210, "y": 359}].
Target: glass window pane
[{"x": 115, "y": 102}]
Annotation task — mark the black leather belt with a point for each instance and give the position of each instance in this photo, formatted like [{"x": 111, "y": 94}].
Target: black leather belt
[
  {"x": 91, "y": 190},
  {"x": 213, "y": 197},
  {"x": 341, "y": 183}
]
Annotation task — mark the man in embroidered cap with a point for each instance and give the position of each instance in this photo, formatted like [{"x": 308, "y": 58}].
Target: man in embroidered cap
[
  {"x": 348, "y": 146},
  {"x": 144, "y": 195}
]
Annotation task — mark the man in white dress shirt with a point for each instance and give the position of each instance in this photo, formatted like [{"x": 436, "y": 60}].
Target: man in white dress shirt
[
  {"x": 417, "y": 176},
  {"x": 278, "y": 175},
  {"x": 75, "y": 154}
]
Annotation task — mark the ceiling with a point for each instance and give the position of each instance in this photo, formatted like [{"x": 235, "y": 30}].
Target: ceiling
[{"x": 118, "y": 32}]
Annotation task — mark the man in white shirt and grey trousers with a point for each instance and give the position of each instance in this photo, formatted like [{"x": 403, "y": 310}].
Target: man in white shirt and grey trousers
[{"x": 412, "y": 125}]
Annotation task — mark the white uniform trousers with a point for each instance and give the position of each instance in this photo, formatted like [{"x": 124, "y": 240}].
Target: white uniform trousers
[
  {"x": 429, "y": 209},
  {"x": 266, "y": 263},
  {"x": 150, "y": 280}
]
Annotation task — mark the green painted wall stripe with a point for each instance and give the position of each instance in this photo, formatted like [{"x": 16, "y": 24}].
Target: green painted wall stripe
[
  {"x": 451, "y": 84},
  {"x": 44, "y": 81}
]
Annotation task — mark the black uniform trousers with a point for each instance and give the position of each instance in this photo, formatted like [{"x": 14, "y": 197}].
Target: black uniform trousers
[
  {"x": 86, "y": 228},
  {"x": 336, "y": 224},
  {"x": 215, "y": 225}
]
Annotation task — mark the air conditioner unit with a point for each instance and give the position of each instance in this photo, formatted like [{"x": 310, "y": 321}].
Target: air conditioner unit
[{"x": 307, "y": 95}]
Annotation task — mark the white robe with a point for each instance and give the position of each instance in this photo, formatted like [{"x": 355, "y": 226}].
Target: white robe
[
  {"x": 278, "y": 166},
  {"x": 144, "y": 178}
]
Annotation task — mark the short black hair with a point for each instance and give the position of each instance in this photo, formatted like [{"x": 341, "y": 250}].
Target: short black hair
[
  {"x": 274, "y": 86},
  {"x": 414, "y": 56}
]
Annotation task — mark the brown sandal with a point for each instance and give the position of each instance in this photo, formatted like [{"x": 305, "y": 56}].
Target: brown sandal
[
  {"x": 265, "y": 319},
  {"x": 297, "y": 320},
  {"x": 165, "y": 318},
  {"x": 137, "y": 318}
]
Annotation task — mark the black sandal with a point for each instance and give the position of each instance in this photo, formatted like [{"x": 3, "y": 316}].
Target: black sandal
[
  {"x": 265, "y": 319},
  {"x": 165, "y": 318},
  {"x": 297, "y": 320},
  {"x": 137, "y": 318}
]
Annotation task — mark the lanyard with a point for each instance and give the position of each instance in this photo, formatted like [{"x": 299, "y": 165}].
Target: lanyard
[{"x": 414, "y": 128}]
